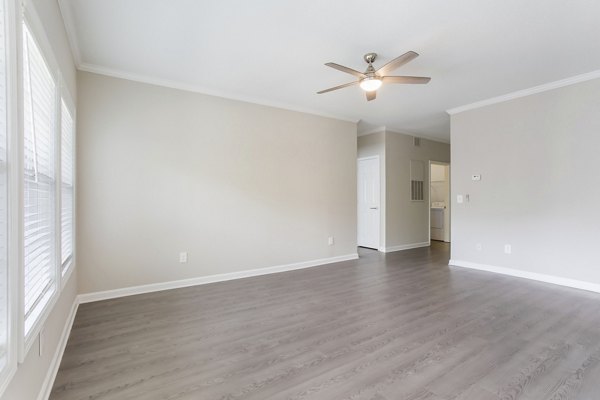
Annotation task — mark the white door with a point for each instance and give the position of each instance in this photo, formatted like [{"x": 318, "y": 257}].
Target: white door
[{"x": 368, "y": 202}]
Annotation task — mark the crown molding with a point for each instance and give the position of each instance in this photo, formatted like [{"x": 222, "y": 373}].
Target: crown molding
[
  {"x": 431, "y": 139},
  {"x": 527, "y": 92},
  {"x": 69, "y": 22},
  {"x": 115, "y": 73},
  {"x": 379, "y": 129},
  {"x": 382, "y": 129}
]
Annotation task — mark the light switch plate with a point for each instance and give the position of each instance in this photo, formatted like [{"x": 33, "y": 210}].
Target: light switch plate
[
  {"x": 183, "y": 257},
  {"x": 476, "y": 177},
  {"x": 459, "y": 198}
]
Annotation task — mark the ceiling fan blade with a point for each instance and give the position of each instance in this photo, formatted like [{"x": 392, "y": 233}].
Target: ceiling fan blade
[
  {"x": 397, "y": 62},
  {"x": 338, "y": 87},
  {"x": 406, "y": 79},
  {"x": 346, "y": 70},
  {"x": 371, "y": 95}
]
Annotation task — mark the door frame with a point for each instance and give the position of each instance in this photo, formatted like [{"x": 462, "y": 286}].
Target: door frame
[
  {"x": 381, "y": 200},
  {"x": 447, "y": 164}
]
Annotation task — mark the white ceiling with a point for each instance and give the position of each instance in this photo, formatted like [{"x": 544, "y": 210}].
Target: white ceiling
[{"x": 273, "y": 51}]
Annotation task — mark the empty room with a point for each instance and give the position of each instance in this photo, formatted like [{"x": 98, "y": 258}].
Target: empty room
[{"x": 299, "y": 200}]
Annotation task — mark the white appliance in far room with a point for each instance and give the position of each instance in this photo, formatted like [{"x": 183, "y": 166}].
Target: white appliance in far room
[{"x": 438, "y": 208}]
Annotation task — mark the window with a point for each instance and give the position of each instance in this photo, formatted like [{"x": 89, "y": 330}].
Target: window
[
  {"x": 4, "y": 315},
  {"x": 66, "y": 178},
  {"x": 39, "y": 245},
  {"x": 30, "y": 194}
]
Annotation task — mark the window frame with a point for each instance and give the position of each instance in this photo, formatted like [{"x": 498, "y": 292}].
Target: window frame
[
  {"x": 30, "y": 18},
  {"x": 65, "y": 96},
  {"x": 30, "y": 336},
  {"x": 13, "y": 208},
  {"x": 17, "y": 14}
]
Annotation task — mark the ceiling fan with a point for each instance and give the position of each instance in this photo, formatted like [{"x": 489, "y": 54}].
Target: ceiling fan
[{"x": 371, "y": 79}]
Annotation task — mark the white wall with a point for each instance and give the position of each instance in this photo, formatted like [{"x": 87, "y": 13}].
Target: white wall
[
  {"x": 30, "y": 375},
  {"x": 238, "y": 186},
  {"x": 440, "y": 192},
  {"x": 439, "y": 179},
  {"x": 407, "y": 222},
  {"x": 537, "y": 192},
  {"x": 438, "y": 173},
  {"x": 374, "y": 145}
]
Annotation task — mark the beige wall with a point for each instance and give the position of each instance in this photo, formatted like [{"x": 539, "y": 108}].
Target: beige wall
[
  {"x": 369, "y": 146},
  {"x": 407, "y": 222},
  {"x": 537, "y": 191},
  {"x": 238, "y": 186},
  {"x": 30, "y": 375}
]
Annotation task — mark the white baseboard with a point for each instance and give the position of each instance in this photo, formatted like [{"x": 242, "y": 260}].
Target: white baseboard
[
  {"x": 110, "y": 294},
  {"x": 404, "y": 247},
  {"x": 202, "y": 280},
  {"x": 58, "y": 354},
  {"x": 557, "y": 280}
]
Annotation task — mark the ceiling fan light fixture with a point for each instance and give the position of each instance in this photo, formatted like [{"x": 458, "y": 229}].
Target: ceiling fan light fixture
[
  {"x": 370, "y": 84},
  {"x": 372, "y": 79}
]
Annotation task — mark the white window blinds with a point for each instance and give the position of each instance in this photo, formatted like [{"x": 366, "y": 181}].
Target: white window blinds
[
  {"x": 39, "y": 109},
  {"x": 66, "y": 155},
  {"x": 3, "y": 195}
]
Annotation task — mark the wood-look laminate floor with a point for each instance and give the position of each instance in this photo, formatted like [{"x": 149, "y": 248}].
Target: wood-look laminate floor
[{"x": 397, "y": 326}]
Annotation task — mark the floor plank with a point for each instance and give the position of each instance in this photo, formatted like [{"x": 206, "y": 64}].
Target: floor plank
[{"x": 395, "y": 326}]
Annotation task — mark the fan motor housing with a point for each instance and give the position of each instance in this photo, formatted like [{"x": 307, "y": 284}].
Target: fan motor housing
[{"x": 370, "y": 57}]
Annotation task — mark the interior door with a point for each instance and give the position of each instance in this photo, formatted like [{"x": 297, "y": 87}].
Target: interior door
[{"x": 368, "y": 202}]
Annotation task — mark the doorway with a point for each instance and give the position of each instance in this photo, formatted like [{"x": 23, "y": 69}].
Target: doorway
[
  {"x": 369, "y": 193},
  {"x": 439, "y": 201}
]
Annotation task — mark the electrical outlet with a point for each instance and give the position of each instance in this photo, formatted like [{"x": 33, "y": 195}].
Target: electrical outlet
[
  {"x": 183, "y": 257},
  {"x": 330, "y": 240},
  {"x": 507, "y": 249},
  {"x": 479, "y": 247}
]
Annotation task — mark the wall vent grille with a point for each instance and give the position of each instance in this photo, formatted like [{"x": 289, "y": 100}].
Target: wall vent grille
[
  {"x": 417, "y": 180},
  {"x": 416, "y": 191}
]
